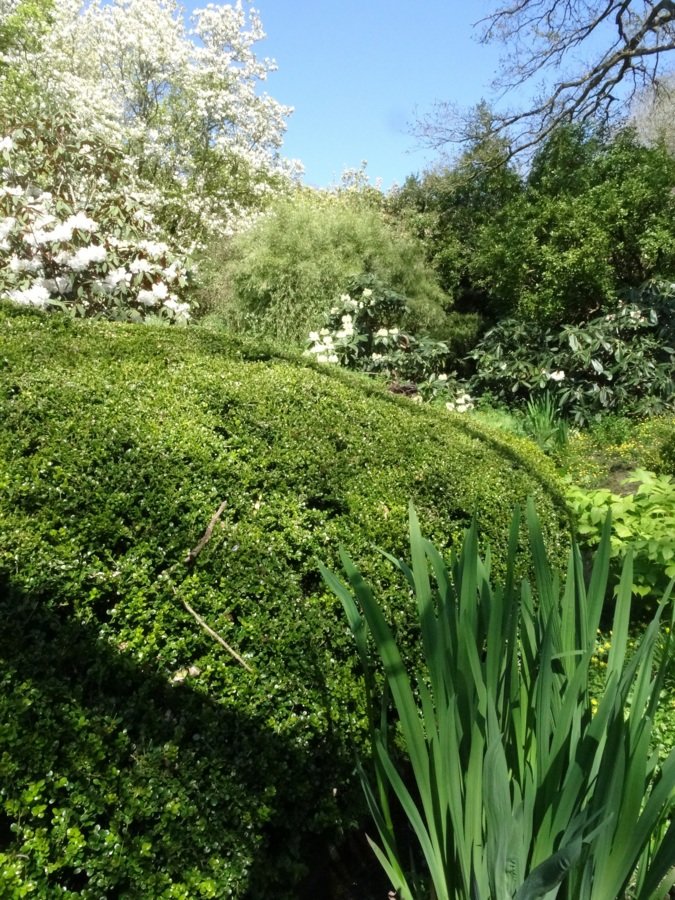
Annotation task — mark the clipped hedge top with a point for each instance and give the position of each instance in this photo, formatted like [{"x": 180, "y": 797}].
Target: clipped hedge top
[{"x": 117, "y": 444}]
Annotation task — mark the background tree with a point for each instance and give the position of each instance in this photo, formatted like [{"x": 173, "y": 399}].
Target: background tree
[
  {"x": 448, "y": 205},
  {"x": 595, "y": 219},
  {"x": 653, "y": 114},
  {"x": 557, "y": 41}
]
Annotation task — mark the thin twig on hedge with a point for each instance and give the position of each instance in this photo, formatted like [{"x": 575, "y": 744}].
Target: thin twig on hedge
[
  {"x": 214, "y": 634},
  {"x": 206, "y": 537},
  {"x": 189, "y": 562}
]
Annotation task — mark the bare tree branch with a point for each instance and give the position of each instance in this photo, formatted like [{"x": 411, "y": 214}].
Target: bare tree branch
[
  {"x": 206, "y": 537},
  {"x": 545, "y": 37}
]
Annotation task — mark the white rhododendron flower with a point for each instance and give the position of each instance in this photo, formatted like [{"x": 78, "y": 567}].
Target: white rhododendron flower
[
  {"x": 154, "y": 249},
  {"x": 116, "y": 276},
  {"x": 461, "y": 403},
  {"x": 180, "y": 310},
  {"x": 85, "y": 256},
  {"x": 147, "y": 298},
  {"x": 82, "y": 222},
  {"x": 6, "y": 227},
  {"x": 140, "y": 265},
  {"x": 37, "y": 295}
]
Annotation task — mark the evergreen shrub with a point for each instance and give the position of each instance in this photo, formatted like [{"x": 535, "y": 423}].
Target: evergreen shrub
[{"x": 137, "y": 758}]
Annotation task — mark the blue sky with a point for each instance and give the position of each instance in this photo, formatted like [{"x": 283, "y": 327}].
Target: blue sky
[{"x": 356, "y": 70}]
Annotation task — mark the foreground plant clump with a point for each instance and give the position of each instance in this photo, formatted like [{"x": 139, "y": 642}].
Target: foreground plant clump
[
  {"x": 521, "y": 786},
  {"x": 137, "y": 757}
]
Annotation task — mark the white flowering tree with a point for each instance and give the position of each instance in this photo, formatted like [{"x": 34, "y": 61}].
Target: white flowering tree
[
  {"x": 183, "y": 102},
  {"x": 161, "y": 137}
]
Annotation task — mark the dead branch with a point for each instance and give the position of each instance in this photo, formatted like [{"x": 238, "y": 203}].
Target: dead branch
[
  {"x": 206, "y": 537},
  {"x": 214, "y": 634},
  {"x": 189, "y": 561}
]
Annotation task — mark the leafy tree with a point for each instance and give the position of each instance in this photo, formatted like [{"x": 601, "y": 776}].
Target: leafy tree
[
  {"x": 446, "y": 207},
  {"x": 595, "y": 218},
  {"x": 21, "y": 24}
]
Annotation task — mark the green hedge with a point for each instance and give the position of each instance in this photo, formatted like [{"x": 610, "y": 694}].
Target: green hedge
[{"x": 124, "y": 772}]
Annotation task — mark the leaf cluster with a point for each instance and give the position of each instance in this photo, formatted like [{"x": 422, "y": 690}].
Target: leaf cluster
[
  {"x": 643, "y": 523},
  {"x": 621, "y": 362}
]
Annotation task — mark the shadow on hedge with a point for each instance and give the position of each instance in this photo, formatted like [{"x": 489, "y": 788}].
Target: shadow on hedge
[{"x": 117, "y": 782}]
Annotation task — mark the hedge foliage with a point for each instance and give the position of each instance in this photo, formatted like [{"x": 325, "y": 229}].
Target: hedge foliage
[{"x": 137, "y": 758}]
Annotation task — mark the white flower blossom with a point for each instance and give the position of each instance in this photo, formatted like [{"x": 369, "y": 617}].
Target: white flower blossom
[
  {"x": 147, "y": 298},
  {"x": 140, "y": 265},
  {"x": 81, "y": 222},
  {"x": 116, "y": 276},
  {"x": 18, "y": 264},
  {"x": 154, "y": 249},
  {"x": 37, "y": 295},
  {"x": 558, "y": 375},
  {"x": 6, "y": 144},
  {"x": 347, "y": 329},
  {"x": 6, "y": 227},
  {"x": 180, "y": 310},
  {"x": 171, "y": 272},
  {"x": 462, "y": 403},
  {"x": 85, "y": 256}
]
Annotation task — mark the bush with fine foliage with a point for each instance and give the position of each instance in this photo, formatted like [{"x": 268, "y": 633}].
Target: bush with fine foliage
[
  {"x": 280, "y": 278},
  {"x": 138, "y": 758}
]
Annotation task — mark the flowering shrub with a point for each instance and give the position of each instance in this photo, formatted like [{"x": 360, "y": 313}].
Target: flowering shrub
[
  {"x": 363, "y": 332},
  {"x": 73, "y": 231},
  {"x": 619, "y": 362},
  {"x": 463, "y": 402}
]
